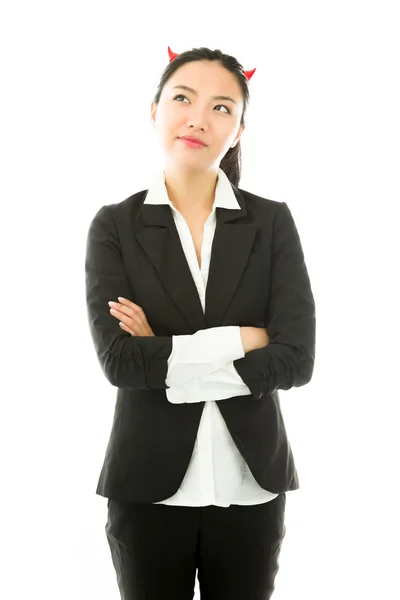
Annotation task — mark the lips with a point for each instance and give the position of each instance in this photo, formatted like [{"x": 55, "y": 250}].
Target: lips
[{"x": 193, "y": 140}]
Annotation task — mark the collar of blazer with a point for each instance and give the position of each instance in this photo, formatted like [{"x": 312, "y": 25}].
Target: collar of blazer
[{"x": 233, "y": 241}]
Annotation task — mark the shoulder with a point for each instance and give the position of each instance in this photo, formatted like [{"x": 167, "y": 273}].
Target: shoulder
[
  {"x": 274, "y": 215},
  {"x": 258, "y": 205},
  {"x": 128, "y": 205},
  {"x": 259, "y": 201},
  {"x": 123, "y": 210}
]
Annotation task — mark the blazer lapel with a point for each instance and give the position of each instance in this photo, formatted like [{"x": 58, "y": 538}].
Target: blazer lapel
[
  {"x": 233, "y": 241},
  {"x": 231, "y": 248}
]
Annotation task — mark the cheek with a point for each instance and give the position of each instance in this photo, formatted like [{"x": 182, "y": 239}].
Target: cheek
[
  {"x": 165, "y": 116},
  {"x": 171, "y": 123},
  {"x": 165, "y": 131}
]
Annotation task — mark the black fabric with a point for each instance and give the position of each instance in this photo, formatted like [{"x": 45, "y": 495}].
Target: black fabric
[{"x": 158, "y": 549}]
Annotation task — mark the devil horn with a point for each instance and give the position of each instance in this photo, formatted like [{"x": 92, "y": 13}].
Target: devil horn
[
  {"x": 249, "y": 74},
  {"x": 172, "y": 55}
]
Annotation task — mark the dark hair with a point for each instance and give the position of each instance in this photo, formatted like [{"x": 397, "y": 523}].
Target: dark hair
[{"x": 231, "y": 163}]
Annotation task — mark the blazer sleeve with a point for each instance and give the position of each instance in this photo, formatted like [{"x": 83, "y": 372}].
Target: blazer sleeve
[
  {"x": 130, "y": 362},
  {"x": 288, "y": 360}
]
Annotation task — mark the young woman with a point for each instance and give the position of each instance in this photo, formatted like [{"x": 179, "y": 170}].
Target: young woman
[{"x": 200, "y": 308}]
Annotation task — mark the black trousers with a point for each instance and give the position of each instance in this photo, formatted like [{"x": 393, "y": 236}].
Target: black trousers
[{"x": 156, "y": 549}]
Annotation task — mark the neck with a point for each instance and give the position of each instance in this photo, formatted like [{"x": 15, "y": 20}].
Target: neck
[{"x": 191, "y": 192}]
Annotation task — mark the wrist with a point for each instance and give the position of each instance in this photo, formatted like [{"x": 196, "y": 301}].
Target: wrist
[{"x": 245, "y": 338}]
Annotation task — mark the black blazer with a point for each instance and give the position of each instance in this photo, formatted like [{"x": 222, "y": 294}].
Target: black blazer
[{"x": 257, "y": 277}]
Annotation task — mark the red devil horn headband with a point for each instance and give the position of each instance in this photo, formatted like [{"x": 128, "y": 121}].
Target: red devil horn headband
[{"x": 172, "y": 55}]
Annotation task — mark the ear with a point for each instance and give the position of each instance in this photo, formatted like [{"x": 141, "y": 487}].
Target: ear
[
  {"x": 153, "y": 112},
  {"x": 238, "y": 136}
]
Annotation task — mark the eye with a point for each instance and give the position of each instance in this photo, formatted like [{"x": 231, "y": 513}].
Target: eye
[{"x": 182, "y": 96}]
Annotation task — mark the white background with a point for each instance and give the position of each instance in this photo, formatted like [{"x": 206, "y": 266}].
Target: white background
[{"x": 322, "y": 135}]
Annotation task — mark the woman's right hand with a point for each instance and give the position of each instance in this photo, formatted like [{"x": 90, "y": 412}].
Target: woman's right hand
[{"x": 254, "y": 338}]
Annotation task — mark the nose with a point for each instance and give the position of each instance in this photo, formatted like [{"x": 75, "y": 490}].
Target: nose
[{"x": 198, "y": 119}]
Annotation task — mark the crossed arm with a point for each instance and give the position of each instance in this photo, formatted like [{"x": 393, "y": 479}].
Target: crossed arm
[
  {"x": 200, "y": 367},
  {"x": 149, "y": 362}
]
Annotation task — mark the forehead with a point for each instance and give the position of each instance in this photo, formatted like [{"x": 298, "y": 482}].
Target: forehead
[{"x": 206, "y": 76}]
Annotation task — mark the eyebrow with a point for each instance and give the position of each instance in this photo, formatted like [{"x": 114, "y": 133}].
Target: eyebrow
[{"x": 189, "y": 89}]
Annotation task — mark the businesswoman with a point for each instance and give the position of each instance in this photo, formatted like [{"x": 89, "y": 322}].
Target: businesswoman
[{"x": 200, "y": 309}]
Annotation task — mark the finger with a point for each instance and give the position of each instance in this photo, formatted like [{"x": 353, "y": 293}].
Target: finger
[
  {"x": 137, "y": 323},
  {"x": 130, "y": 325},
  {"x": 127, "y": 310},
  {"x": 125, "y": 323},
  {"x": 128, "y": 321},
  {"x": 127, "y": 302},
  {"x": 125, "y": 328},
  {"x": 136, "y": 317},
  {"x": 138, "y": 309}
]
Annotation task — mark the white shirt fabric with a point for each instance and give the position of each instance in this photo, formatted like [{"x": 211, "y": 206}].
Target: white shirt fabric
[{"x": 200, "y": 369}]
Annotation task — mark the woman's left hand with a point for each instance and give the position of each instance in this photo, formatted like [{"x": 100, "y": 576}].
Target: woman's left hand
[{"x": 131, "y": 316}]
